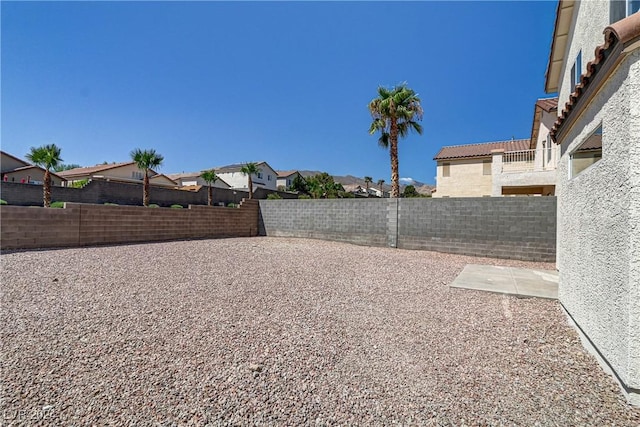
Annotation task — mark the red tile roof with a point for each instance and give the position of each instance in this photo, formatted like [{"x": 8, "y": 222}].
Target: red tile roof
[
  {"x": 624, "y": 31},
  {"x": 548, "y": 104},
  {"x": 480, "y": 150}
]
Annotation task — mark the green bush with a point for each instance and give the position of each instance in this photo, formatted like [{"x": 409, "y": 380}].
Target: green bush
[
  {"x": 304, "y": 196},
  {"x": 3, "y": 202},
  {"x": 153, "y": 205},
  {"x": 273, "y": 196},
  {"x": 177, "y": 206},
  {"x": 57, "y": 204},
  {"x": 110, "y": 204},
  {"x": 232, "y": 205},
  {"x": 79, "y": 184}
]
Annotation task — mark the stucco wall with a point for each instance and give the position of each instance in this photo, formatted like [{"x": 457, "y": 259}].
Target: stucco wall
[
  {"x": 599, "y": 223},
  {"x": 589, "y": 20},
  {"x": 466, "y": 179}
]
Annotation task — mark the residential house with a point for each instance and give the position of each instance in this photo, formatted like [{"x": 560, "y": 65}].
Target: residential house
[
  {"x": 193, "y": 179},
  {"x": 502, "y": 168},
  {"x": 285, "y": 179},
  {"x": 14, "y": 169},
  {"x": 265, "y": 178},
  {"x": 121, "y": 172},
  {"x": 594, "y": 66}
]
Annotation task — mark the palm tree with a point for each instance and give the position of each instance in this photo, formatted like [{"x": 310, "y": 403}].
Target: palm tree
[
  {"x": 145, "y": 160},
  {"x": 250, "y": 169},
  {"x": 210, "y": 177},
  {"x": 380, "y": 184},
  {"x": 368, "y": 180},
  {"x": 394, "y": 112},
  {"x": 47, "y": 157}
]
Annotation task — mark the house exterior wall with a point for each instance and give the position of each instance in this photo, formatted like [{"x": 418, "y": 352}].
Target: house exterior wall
[
  {"x": 121, "y": 172},
  {"x": 240, "y": 181},
  {"x": 8, "y": 163},
  {"x": 546, "y": 123},
  {"x": 466, "y": 178},
  {"x": 31, "y": 175},
  {"x": 599, "y": 215},
  {"x": 589, "y": 20},
  {"x": 197, "y": 180}
]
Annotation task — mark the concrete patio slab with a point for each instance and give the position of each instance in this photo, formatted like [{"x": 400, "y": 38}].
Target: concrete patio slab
[{"x": 508, "y": 280}]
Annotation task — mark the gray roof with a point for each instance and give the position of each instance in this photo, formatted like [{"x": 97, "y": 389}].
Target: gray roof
[{"x": 236, "y": 167}]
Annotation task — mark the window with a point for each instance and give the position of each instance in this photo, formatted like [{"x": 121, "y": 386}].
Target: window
[
  {"x": 268, "y": 177},
  {"x": 259, "y": 175},
  {"x": 486, "y": 167},
  {"x": 620, "y": 9},
  {"x": 587, "y": 153},
  {"x": 136, "y": 175},
  {"x": 576, "y": 71},
  {"x": 446, "y": 169}
]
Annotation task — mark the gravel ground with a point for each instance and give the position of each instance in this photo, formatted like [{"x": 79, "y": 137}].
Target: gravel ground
[{"x": 286, "y": 332}]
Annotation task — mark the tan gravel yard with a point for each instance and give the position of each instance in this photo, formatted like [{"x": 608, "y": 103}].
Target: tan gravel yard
[{"x": 285, "y": 332}]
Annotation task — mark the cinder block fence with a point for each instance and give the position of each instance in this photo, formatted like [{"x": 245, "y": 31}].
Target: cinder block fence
[
  {"x": 507, "y": 227},
  {"x": 85, "y": 224}
]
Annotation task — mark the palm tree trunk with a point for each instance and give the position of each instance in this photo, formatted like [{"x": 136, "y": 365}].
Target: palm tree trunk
[
  {"x": 46, "y": 189},
  {"x": 210, "y": 198},
  {"x": 145, "y": 189},
  {"x": 393, "y": 152},
  {"x": 250, "y": 187}
]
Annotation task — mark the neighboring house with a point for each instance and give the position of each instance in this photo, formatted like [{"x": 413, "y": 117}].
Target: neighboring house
[
  {"x": 14, "y": 169},
  {"x": 122, "y": 172},
  {"x": 266, "y": 178},
  {"x": 379, "y": 192},
  {"x": 598, "y": 186},
  {"x": 502, "y": 168},
  {"x": 191, "y": 179},
  {"x": 286, "y": 178}
]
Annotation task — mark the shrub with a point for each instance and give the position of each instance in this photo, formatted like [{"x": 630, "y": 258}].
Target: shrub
[
  {"x": 304, "y": 196},
  {"x": 57, "y": 205},
  {"x": 3, "y": 202},
  {"x": 79, "y": 184},
  {"x": 232, "y": 205},
  {"x": 273, "y": 196},
  {"x": 110, "y": 204},
  {"x": 177, "y": 206},
  {"x": 153, "y": 205}
]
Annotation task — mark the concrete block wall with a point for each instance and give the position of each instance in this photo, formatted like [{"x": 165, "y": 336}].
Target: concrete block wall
[
  {"x": 359, "y": 221},
  {"x": 101, "y": 191},
  {"x": 86, "y": 224},
  {"x": 511, "y": 227}
]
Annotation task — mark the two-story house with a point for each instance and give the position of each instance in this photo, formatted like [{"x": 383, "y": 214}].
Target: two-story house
[
  {"x": 502, "y": 168},
  {"x": 594, "y": 66},
  {"x": 232, "y": 175},
  {"x": 193, "y": 179},
  {"x": 285, "y": 179}
]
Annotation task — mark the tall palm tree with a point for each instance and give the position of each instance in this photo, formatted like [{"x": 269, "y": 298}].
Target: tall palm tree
[
  {"x": 368, "y": 180},
  {"x": 394, "y": 112},
  {"x": 210, "y": 177},
  {"x": 145, "y": 160},
  {"x": 47, "y": 157},
  {"x": 250, "y": 169}
]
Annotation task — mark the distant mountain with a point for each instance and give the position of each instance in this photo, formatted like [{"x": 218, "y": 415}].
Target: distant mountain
[{"x": 421, "y": 187}]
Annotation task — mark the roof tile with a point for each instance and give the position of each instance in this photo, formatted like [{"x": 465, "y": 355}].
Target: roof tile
[{"x": 481, "y": 150}]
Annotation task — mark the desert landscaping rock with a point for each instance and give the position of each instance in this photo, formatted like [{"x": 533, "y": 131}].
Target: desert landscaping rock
[{"x": 268, "y": 331}]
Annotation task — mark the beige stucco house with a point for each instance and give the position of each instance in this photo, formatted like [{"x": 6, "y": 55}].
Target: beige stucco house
[
  {"x": 502, "y": 168},
  {"x": 594, "y": 66},
  {"x": 285, "y": 179},
  {"x": 121, "y": 172},
  {"x": 14, "y": 169},
  {"x": 193, "y": 179}
]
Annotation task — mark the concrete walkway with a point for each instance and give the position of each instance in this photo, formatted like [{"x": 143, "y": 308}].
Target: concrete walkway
[{"x": 508, "y": 280}]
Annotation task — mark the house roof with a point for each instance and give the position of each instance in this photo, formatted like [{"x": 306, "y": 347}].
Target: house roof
[
  {"x": 286, "y": 174},
  {"x": 616, "y": 36},
  {"x": 548, "y": 105},
  {"x": 562, "y": 26},
  {"x": 161, "y": 176},
  {"x": 480, "y": 150},
  {"x": 176, "y": 176},
  {"x": 24, "y": 168},
  {"x": 237, "y": 166},
  {"x": 93, "y": 169}
]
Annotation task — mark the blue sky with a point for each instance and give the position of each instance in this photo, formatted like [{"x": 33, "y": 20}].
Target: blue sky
[{"x": 214, "y": 83}]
